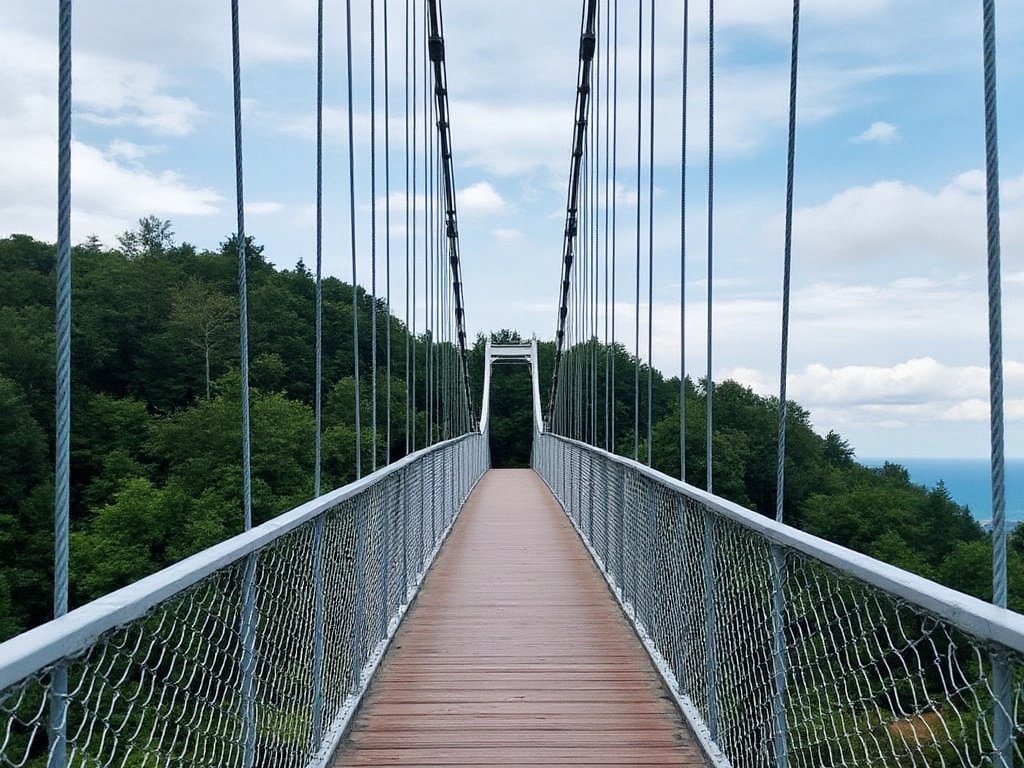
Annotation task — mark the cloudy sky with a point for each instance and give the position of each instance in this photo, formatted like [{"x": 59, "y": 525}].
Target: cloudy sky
[{"x": 889, "y": 317}]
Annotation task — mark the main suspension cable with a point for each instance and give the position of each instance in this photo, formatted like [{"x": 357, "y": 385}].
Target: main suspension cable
[
  {"x": 437, "y": 57},
  {"x": 588, "y": 42}
]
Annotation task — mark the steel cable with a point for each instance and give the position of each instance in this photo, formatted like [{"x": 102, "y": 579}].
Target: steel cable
[
  {"x": 787, "y": 262},
  {"x": 243, "y": 289},
  {"x": 682, "y": 241},
  {"x": 373, "y": 232},
  {"x": 609, "y": 399},
  {"x": 709, "y": 385},
  {"x": 615, "y": 165},
  {"x": 408, "y": 206},
  {"x": 387, "y": 229},
  {"x": 415, "y": 117},
  {"x": 639, "y": 171},
  {"x": 352, "y": 233},
  {"x": 650, "y": 257},
  {"x": 319, "y": 321},
  {"x": 1003, "y": 711},
  {"x": 62, "y": 403}
]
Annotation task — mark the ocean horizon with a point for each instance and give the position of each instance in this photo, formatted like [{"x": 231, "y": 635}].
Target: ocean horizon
[{"x": 967, "y": 480}]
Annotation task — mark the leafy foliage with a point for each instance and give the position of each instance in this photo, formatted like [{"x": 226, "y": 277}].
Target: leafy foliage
[{"x": 156, "y": 443}]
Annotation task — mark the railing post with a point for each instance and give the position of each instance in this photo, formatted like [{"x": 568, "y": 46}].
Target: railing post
[
  {"x": 433, "y": 503},
  {"x": 590, "y": 500},
  {"x": 606, "y": 496},
  {"x": 710, "y": 633},
  {"x": 580, "y": 493},
  {"x": 385, "y": 514},
  {"x": 649, "y": 563},
  {"x": 453, "y": 475},
  {"x": 318, "y": 634},
  {"x": 421, "y": 559},
  {"x": 405, "y": 533},
  {"x": 248, "y": 632},
  {"x": 58, "y": 716},
  {"x": 622, "y": 531},
  {"x": 1002, "y": 710},
  {"x": 779, "y": 655},
  {"x": 358, "y": 655}
]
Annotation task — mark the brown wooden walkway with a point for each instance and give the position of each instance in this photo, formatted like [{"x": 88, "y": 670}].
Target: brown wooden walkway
[{"x": 515, "y": 653}]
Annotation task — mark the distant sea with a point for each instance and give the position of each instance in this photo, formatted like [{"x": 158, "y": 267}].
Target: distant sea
[{"x": 968, "y": 481}]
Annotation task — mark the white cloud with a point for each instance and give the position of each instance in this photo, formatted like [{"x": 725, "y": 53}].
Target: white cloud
[
  {"x": 480, "y": 198},
  {"x": 512, "y": 138},
  {"x": 906, "y": 223},
  {"x": 119, "y": 149},
  {"x": 122, "y": 92},
  {"x": 267, "y": 208},
  {"x": 878, "y": 132}
]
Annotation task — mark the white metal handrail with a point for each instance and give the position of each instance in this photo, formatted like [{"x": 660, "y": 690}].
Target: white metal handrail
[
  {"x": 154, "y": 668},
  {"x": 883, "y": 667}
]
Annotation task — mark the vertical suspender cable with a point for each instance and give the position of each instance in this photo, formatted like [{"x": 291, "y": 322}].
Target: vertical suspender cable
[
  {"x": 409, "y": 202},
  {"x": 428, "y": 241},
  {"x": 1003, "y": 730},
  {"x": 243, "y": 291},
  {"x": 682, "y": 243},
  {"x": 318, "y": 350},
  {"x": 639, "y": 169},
  {"x": 387, "y": 231},
  {"x": 591, "y": 261},
  {"x": 62, "y": 436},
  {"x": 584, "y": 297},
  {"x": 650, "y": 258},
  {"x": 415, "y": 117},
  {"x": 615, "y": 165},
  {"x": 318, "y": 530},
  {"x": 778, "y": 556},
  {"x": 995, "y": 308},
  {"x": 710, "y": 606},
  {"x": 248, "y": 623},
  {"x": 373, "y": 233},
  {"x": 608, "y": 396},
  {"x": 428, "y": 208},
  {"x": 352, "y": 235},
  {"x": 595, "y": 259},
  {"x": 710, "y": 387},
  {"x": 787, "y": 261}
]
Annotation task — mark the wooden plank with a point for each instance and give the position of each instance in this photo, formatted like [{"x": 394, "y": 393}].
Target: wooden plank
[{"x": 516, "y": 654}]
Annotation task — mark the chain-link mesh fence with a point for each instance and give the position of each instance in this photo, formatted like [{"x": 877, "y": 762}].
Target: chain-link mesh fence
[
  {"x": 785, "y": 649},
  {"x": 257, "y": 661}
]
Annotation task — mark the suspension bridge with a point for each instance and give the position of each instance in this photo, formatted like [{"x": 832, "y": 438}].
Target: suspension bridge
[{"x": 588, "y": 611}]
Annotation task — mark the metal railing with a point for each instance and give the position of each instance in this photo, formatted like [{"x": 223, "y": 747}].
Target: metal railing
[
  {"x": 169, "y": 671},
  {"x": 782, "y": 648}
]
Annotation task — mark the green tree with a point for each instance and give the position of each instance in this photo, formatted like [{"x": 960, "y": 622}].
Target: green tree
[
  {"x": 206, "y": 319},
  {"x": 152, "y": 237}
]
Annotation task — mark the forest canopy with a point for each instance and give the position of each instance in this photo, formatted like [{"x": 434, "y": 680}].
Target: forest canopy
[{"x": 156, "y": 441}]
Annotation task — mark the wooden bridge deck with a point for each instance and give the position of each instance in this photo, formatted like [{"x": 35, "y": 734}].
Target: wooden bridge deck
[{"x": 515, "y": 653}]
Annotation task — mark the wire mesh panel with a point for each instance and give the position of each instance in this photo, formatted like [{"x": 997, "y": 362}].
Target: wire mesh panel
[
  {"x": 786, "y": 649},
  {"x": 252, "y": 653}
]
